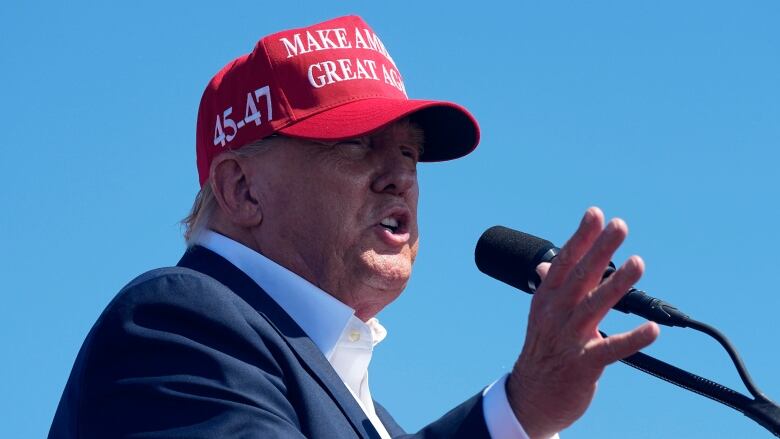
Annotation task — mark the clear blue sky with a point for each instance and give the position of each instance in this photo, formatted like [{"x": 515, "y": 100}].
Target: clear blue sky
[{"x": 664, "y": 113}]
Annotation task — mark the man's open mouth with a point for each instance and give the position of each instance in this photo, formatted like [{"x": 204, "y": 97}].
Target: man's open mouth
[{"x": 391, "y": 224}]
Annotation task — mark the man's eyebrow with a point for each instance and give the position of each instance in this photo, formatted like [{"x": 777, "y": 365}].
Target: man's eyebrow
[{"x": 417, "y": 137}]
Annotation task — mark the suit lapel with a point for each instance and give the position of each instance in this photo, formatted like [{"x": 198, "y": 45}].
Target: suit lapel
[
  {"x": 207, "y": 262},
  {"x": 392, "y": 427}
]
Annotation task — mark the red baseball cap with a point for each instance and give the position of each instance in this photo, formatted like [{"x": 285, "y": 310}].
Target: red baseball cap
[{"x": 331, "y": 81}]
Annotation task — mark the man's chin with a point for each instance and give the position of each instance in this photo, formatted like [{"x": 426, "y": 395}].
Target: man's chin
[{"x": 389, "y": 272}]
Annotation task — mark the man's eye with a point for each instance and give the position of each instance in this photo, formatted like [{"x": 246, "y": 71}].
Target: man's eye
[
  {"x": 411, "y": 153},
  {"x": 352, "y": 148},
  {"x": 355, "y": 144}
]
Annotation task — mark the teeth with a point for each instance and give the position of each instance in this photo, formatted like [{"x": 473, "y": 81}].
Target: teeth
[{"x": 389, "y": 222}]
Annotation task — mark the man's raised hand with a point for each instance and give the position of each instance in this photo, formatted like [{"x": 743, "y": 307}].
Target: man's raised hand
[{"x": 554, "y": 379}]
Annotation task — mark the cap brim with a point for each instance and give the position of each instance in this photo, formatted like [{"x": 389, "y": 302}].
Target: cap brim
[{"x": 450, "y": 130}]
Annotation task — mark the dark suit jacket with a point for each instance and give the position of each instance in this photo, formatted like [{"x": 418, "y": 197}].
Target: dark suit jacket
[{"x": 200, "y": 351}]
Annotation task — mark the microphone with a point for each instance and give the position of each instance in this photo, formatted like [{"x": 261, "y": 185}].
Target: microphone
[{"x": 511, "y": 256}]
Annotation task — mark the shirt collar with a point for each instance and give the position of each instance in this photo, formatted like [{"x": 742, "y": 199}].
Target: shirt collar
[{"x": 323, "y": 317}]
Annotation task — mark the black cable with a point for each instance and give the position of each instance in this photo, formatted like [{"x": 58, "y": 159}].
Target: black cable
[
  {"x": 761, "y": 409},
  {"x": 732, "y": 351}
]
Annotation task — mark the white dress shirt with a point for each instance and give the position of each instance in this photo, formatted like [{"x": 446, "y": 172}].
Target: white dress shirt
[{"x": 346, "y": 341}]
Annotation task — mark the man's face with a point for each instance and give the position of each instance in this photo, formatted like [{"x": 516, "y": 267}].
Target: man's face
[{"x": 343, "y": 214}]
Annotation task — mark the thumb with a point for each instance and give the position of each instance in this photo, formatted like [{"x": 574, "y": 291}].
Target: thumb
[{"x": 542, "y": 269}]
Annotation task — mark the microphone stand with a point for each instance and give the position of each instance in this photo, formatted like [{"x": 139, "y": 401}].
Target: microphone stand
[{"x": 759, "y": 408}]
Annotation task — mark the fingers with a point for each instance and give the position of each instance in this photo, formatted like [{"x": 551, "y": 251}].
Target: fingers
[
  {"x": 564, "y": 355},
  {"x": 590, "y": 269},
  {"x": 616, "y": 347},
  {"x": 580, "y": 265},
  {"x": 598, "y": 302},
  {"x": 587, "y": 232}
]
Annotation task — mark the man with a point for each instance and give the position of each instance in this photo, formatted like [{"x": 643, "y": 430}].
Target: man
[{"x": 304, "y": 229}]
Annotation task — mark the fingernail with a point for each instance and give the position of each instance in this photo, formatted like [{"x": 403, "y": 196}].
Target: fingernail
[
  {"x": 591, "y": 214},
  {"x": 630, "y": 264},
  {"x": 617, "y": 223},
  {"x": 649, "y": 330},
  {"x": 635, "y": 263},
  {"x": 587, "y": 216}
]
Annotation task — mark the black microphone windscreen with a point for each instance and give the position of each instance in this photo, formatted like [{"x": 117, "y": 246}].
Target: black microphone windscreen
[{"x": 510, "y": 256}]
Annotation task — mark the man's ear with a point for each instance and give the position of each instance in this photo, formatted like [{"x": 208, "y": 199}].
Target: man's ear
[{"x": 229, "y": 182}]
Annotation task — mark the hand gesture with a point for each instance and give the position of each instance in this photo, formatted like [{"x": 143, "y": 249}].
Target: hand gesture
[{"x": 554, "y": 379}]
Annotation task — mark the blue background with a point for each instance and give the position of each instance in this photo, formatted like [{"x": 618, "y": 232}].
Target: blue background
[{"x": 663, "y": 113}]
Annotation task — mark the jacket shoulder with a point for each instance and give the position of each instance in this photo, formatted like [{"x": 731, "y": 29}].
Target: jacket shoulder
[
  {"x": 181, "y": 306},
  {"x": 174, "y": 337}
]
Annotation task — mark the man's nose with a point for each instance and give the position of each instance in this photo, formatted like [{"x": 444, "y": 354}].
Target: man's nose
[{"x": 397, "y": 175}]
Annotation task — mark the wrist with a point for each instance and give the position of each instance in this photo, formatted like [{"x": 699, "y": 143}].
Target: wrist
[{"x": 536, "y": 422}]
